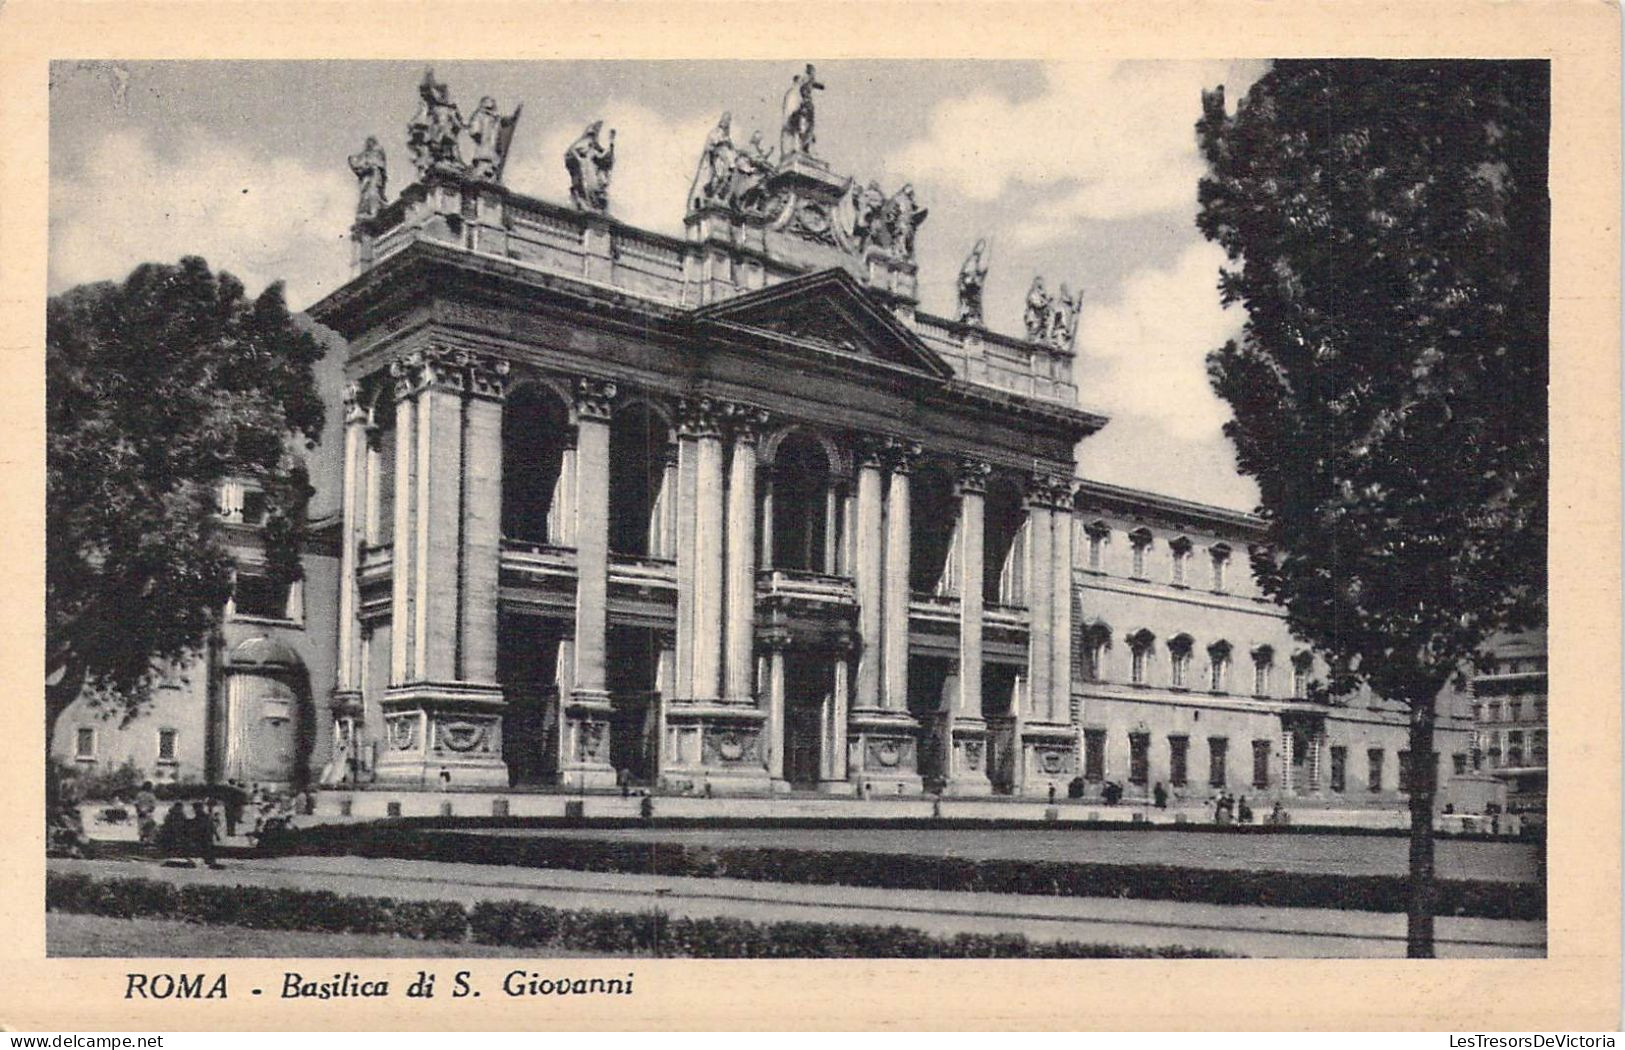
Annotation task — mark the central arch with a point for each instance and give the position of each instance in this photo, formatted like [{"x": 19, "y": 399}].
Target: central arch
[{"x": 536, "y": 434}]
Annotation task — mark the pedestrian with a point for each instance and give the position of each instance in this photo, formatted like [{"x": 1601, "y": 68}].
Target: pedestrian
[
  {"x": 146, "y": 805},
  {"x": 1244, "y": 812},
  {"x": 234, "y": 807},
  {"x": 1159, "y": 795},
  {"x": 203, "y": 834},
  {"x": 1052, "y": 792}
]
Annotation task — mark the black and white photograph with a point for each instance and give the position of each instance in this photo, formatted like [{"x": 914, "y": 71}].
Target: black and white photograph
[{"x": 563, "y": 511}]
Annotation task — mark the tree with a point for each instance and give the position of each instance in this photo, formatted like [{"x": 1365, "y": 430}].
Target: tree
[
  {"x": 1386, "y": 225},
  {"x": 157, "y": 390}
]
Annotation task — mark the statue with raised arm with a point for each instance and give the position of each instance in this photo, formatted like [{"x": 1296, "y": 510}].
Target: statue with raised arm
[
  {"x": 492, "y": 134},
  {"x": 432, "y": 133},
  {"x": 1036, "y": 316},
  {"x": 1063, "y": 324},
  {"x": 713, "y": 182},
  {"x": 797, "y": 134},
  {"x": 972, "y": 277},
  {"x": 590, "y": 164},
  {"x": 867, "y": 227},
  {"x": 373, "y": 176}
]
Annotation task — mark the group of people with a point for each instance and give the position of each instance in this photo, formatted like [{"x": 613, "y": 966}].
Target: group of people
[{"x": 197, "y": 833}]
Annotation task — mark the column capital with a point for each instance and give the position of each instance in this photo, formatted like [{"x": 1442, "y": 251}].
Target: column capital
[
  {"x": 868, "y": 450},
  {"x": 745, "y": 422},
  {"x": 846, "y": 643},
  {"x": 488, "y": 376},
  {"x": 666, "y": 637},
  {"x": 594, "y": 399},
  {"x": 699, "y": 417},
  {"x": 418, "y": 370},
  {"x": 972, "y": 475},
  {"x": 355, "y": 412},
  {"x": 775, "y": 639},
  {"x": 902, "y": 455},
  {"x": 1049, "y": 491}
]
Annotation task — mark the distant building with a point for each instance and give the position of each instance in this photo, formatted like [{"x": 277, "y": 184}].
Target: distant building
[
  {"x": 1509, "y": 718},
  {"x": 729, "y": 512}
]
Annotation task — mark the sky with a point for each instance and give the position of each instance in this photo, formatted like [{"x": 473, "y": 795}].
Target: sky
[{"x": 1084, "y": 173}]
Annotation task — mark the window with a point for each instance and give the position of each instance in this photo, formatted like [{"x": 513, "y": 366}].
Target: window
[
  {"x": 1179, "y": 654},
  {"x": 1217, "y": 749},
  {"x": 1495, "y": 712},
  {"x": 1140, "y": 542},
  {"x": 1181, "y": 549},
  {"x": 166, "y": 745},
  {"x": 1340, "y": 769},
  {"x": 1097, "y": 637},
  {"x": 1460, "y": 760},
  {"x": 1139, "y": 758},
  {"x": 1218, "y": 655},
  {"x": 260, "y": 596},
  {"x": 1263, "y": 664},
  {"x": 255, "y": 507},
  {"x": 1139, "y": 644},
  {"x": 1261, "y": 764},
  {"x": 1515, "y": 749},
  {"x": 1540, "y": 709},
  {"x": 1221, "y": 567},
  {"x": 1537, "y": 747},
  {"x": 84, "y": 743},
  {"x": 1373, "y": 778},
  {"x": 1178, "y": 760},
  {"x": 1094, "y": 755},
  {"x": 1301, "y": 665},
  {"x": 1515, "y": 711},
  {"x": 1098, "y": 534}
]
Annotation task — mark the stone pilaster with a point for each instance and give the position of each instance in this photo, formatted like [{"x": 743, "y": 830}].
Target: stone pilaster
[
  {"x": 1061, "y": 553},
  {"x": 442, "y": 715},
  {"x": 701, "y": 443},
  {"x": 352, "y": 536},
  {"x": 746, "y": 424},
  {"x": 776, "y": 642},
  {"x": 585, "y": 762},
  {"x": 870, "y": 545},
  {"x": 901, "y": 457},
  {"x": 833, "y": 777},
  {"x": 967, "y": 752},
  {"x": 1040, "y": 580}
]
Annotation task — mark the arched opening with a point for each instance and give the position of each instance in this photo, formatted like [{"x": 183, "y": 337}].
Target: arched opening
[
  {"x": 804, "y": 506},
  {"x": 934, "y": 516},
  {"x": 269, "y": 723},
  {"x": 536, "y": 431},
  {"x": 638, "y": 439},
  {"x": 1003, "y": 581}
]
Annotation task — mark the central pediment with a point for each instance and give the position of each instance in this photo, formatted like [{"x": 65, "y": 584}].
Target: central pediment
[{"x": 831, "y": 309}]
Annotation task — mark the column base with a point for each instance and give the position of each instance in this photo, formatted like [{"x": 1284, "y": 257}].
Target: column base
[
  {"x": 1049, "y": 756},
  {"x": 442, "y": 735},
  {"x": 968, "y": 760},
  {"x": 716, "y": 748},
  {"x": 584, "y": 760},
  {"x": 883, "y": 753}
]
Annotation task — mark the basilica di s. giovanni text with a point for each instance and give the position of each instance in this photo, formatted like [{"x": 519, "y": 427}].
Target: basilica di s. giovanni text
[{"x": 728, "y": 514}]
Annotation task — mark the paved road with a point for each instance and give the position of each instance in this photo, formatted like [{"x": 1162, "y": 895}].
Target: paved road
[
  {"x": 1343, "y": 854},
  {"x": 1261, "y": 932}
]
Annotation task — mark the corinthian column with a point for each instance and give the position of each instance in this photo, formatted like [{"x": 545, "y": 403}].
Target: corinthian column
[
  {"x": 355, "y": 442},
  {"x": 1040, "y": 583},
  {"x": 896, "y": 601},
  {"x": 739, "y": 643},
  {"x": 867, "y": 573},
  {"x": 700, "y": 554},
  {"x": 967, "y": 751},
  {"x": 481, "y": 555},
  {"x": 592, "y": 412},
  {"x": 1061, "y": 601}
]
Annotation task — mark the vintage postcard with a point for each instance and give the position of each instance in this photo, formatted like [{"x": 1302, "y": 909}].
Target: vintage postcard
[{"x": 970, "y": 516}]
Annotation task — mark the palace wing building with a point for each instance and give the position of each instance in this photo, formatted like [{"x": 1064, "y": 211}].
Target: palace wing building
[{"x": 729, "y": 514}]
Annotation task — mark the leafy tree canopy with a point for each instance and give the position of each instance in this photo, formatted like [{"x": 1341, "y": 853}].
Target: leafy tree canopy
[
  {"x": 1386, "y": 225},
  {"x": 157, "y": 390}
]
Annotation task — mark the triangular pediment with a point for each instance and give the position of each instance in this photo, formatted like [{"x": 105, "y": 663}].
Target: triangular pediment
[{"x": 832, "y": 310}]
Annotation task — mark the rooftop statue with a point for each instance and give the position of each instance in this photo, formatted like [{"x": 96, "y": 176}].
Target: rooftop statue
[
  {"x": 492, "y": 134},
  {"x": 590, "y": 164},
  {"x": 797, "y": 134},
  {"x": 372, "y": 174},
  {"x": 713, "y": 182},
  {"x": 1036, "y": 317},
  {"x": 972, "y": 278},
  {"x": 866, "y": 204},
  {"x": 752, "y": 166},
  {"x": 901, "y": 218},
  {"x": 432, "y": 133}
]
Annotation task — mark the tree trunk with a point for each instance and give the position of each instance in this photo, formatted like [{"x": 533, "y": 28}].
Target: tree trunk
[
  {"x": 1419, "y": 913},
  {"x": 69, "y": 680}
]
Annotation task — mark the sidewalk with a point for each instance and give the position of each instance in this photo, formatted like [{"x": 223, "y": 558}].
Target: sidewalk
[{"x": 1252, "y": 931}]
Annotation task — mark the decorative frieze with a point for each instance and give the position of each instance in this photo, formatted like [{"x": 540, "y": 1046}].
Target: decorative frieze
[{"x": 451, "y": 369}]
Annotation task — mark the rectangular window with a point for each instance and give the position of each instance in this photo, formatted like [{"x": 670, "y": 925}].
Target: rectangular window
[
  {"x": 1180, "y": 557},
  {"x": 1495, "y": 712},
  {"x": 1181, "y": 663},
  {"x": 1217, "y": 748},
  {"x": 1094, "y": 755},
  {"x": 1097, "y": 544},
  {"x": 166, "y": 745},
  {"x": 84, "y": 744},
  {"x": 1261, "y": 764},
  {"x": 260, "y": 596},
  {"x": 1261, "y": 678},
  {"x": 1139, "y": 758},
  {"x": 1218, "y": 674},
  {"x": 1139, "y": 561},
  {"x": 1178, "y": 760},
  {"x": 1137, "y": 668},
  {"x": 1300, "y": 683},
  {"x": 1373, "y": 778},
  {"x": 1460, "y": 760},
  {"x": 1221, "y": 566},
  {"x": 1515, "y": 711},
  {"x": 1340, "y": 769}
]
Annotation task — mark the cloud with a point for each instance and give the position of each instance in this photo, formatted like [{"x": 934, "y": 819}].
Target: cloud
[
  {"x": 1104, "y": 141},
  {"x": 261, "y": 219},
  {"x": 1141, "y": 356},
  {"x": 655, "y": 160}
]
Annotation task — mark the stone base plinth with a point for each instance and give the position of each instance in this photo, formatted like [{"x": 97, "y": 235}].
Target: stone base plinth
[
  {"x": 968, "y": 760},
  {"x": 883, "y": 753},
  {"x": 584, "y": 751},
  {"x": 720, "y": 748},
  {"x": 439, "y": 734},
  {"x": 1049, "y": 756}
]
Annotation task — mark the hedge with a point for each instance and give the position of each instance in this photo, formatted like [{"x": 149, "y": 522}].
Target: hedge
[
  {"x": 1477, "y": 898},
  {"x": 518, "y": 924}
]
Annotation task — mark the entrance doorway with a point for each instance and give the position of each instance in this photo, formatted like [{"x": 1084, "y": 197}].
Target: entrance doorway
[{"x": 807, "y": 681}]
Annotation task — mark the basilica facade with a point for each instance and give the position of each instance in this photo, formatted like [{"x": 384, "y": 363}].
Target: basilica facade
[{"x": 728, "y": 513}]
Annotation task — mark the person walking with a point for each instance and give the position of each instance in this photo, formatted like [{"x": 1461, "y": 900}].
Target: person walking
[
  {"x": 1159, "y": 795},
  {"x": 146, "y": 805},
  {"x": 203, "y": 834}
]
